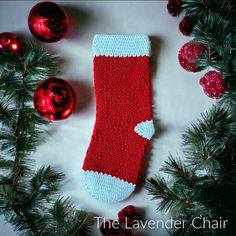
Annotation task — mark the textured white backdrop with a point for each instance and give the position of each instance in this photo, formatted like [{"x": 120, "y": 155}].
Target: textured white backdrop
[{"x": 177, "y": 96}]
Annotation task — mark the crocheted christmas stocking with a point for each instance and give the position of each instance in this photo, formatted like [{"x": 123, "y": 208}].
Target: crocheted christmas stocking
[{"x": 124, "y": 123}]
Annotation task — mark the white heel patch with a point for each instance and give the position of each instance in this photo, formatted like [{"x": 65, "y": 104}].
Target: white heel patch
[{"x": 145, "y": 129}]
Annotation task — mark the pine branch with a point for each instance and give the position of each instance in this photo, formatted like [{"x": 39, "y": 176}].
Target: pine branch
[
  {"x": 69, "y": 220},
  {"x": 6, "y": 164},
  {"x": 223, "y": 7},
  {"x": 45, "y": 183},
  {"x": 207, "y": 31},
  {"x": 228, "y": 100},
  {"x": 164, "y": 191},
  {"x": 81, "y": 223},
  {"x": 27, "y": 196},
  {"x": 181, "y": 173},
  {"x": 207, "y": 175}
]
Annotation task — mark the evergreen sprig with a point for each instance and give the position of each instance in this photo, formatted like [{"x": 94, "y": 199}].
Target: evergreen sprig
[
  {"x": 29, "y": 197},
  {"x": 204, "y": 182}
]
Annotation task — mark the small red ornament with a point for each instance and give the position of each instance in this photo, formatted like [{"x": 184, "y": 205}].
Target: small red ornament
[
  {"x": 188, "y": 55},
  {"x": 9, "y": 42},
  {"x": 110, "y": 228},
  {"x": 213, "y": 84},
  {"x": 48, "y": 22},
  {"x": 187, "y": 24},
  {"x": 126, "y": 232},
  {"x": 128, "y": 215},
  {"x": 54, "y": 99},
  {"x": 174, "y": 7}
]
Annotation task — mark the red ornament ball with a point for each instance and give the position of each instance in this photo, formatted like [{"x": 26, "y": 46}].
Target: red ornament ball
[
  {"x": 110, "y": 228},
  {"x": 128, "y": 215},
  {"x": 54, "y": 99},
  {"x": 174, "y": 7},
  {"x": 189, "y": 54},
  {"x": 213, "y": 84},
  {"x": 9, "y": 42},
  {"x": 48, "y": 22},
  {"x": 126, "y": 232},
  {"x": 187, "y": 24}
]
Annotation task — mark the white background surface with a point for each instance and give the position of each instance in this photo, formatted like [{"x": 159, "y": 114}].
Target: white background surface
[{"x": 177, "y": 96}]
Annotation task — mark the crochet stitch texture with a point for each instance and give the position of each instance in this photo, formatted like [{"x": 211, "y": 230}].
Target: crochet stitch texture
[{"x": 123, "y": 125}]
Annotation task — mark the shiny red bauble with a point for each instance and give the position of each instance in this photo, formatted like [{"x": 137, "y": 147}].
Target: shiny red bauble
[
  {"x": 48, "y": 22},
  {"x": 54, "y": 99},
  {"x": 9, "y": 42},
  {"x": 213, "y": 84},
  {"x": 129, "y": 215},
  {"x": 174, "y": 7},
  {"x": 187, "y": 24},
  {"x": 189, "y": 54},
  {"x": 111, "y": 228}
]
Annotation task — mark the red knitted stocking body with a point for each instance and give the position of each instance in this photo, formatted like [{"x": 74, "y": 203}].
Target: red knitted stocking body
[{"x": 123, "y": 124}]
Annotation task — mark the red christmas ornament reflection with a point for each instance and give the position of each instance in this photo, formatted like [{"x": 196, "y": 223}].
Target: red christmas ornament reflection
[
  {"x": 9, "y": 42},
  {"x": 54, "y": 99},
  {"x": 189, "y": 54},
  {"x": 48, "y": 22},
  {"x": 187, "y": 24},
  {"x": 213, "y": 84}
]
